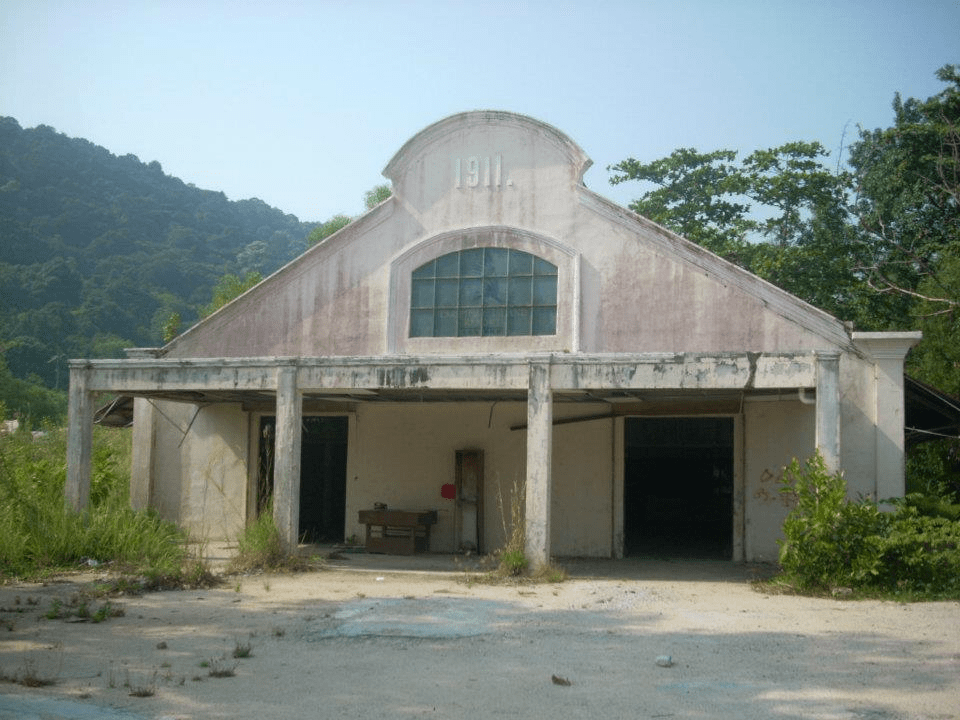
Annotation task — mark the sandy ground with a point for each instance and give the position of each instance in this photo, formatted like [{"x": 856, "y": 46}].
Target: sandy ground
[{"x": 374, "y": 636}]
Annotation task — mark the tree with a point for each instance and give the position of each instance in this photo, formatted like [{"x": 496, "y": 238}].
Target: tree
[
  {"x": 908, "y": 199},
  {"x": 228, "y": 288},
  {"x": 780, "y": 213},
  {"x": 328, "y": 228}
]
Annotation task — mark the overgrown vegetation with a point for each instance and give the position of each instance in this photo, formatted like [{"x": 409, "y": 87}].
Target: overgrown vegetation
[
  {"x": 833, "y": 544},
  {"x": 39, "y": 535},
  {"x": 260, "y": 547},
  {"x": 510, "y": 562}
]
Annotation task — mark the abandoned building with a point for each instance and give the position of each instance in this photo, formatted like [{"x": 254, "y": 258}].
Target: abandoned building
[{"x": 495, "y": 330}]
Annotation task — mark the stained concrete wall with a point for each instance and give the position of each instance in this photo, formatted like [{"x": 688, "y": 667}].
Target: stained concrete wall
[
  {"x": 201, "y": 483},
  {"x": 776, "y": 431},
  {"x": 404, "y": 454},
  {"x": 625, "y": 284}
]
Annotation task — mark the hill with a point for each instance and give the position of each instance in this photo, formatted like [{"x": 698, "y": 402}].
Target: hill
[{"x": 97, "y": 251}]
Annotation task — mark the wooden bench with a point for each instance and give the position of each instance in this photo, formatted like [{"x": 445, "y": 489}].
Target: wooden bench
[{"x": 398, "y": 532}]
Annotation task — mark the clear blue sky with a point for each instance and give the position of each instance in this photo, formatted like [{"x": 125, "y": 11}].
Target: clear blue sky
[{"x": 302, "y": 104}]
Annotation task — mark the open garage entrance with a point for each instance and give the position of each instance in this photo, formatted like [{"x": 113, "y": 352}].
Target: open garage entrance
[{"x": 678, "y": 487}]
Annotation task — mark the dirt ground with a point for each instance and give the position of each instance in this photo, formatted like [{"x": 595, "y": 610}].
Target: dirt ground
[{"x": 374, "y": 636}]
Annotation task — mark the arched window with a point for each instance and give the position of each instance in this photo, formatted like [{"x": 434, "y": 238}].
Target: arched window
[{"x": 484, "y": 292}]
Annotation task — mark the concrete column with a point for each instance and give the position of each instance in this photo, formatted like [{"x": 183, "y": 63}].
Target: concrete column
[
  {"x": 286, "y": 468},
  {"x": 888, "y": 351},
  {"x": 141, "y": 460},
  {"x": 79, "y": 439},
  {"x": 828, "y": 409},
  {"x": 888, "y": 373},
  {"x": 539, "y": 460}
]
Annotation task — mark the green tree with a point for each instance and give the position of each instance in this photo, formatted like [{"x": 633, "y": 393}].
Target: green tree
[
  {"x": 780, "y": 213},
  {"x": 228, "y": 288},
  {"x": 328, "y": 228}
]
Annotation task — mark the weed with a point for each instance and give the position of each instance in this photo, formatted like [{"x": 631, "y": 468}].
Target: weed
[
  {"x": 30, "y": 677},
  {"x": 142, "y": 691},
  {"x": 260, "y": 547},
  {"x": 220, "y": 668},
  {"x": 242, "y": 650}
]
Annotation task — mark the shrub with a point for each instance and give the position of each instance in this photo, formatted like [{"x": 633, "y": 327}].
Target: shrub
[
  {"x": 920, "y": 554},
  {"x": 828, "y": 541}
]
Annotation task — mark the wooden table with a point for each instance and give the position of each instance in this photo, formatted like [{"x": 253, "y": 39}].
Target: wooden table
[{"x": 398, "y": 532}]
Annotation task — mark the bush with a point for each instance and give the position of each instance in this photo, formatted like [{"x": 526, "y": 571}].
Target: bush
[
  {"x": 829, "y": 541},
  {"x": 920, "y": 554},
  {"x": 832, "y": 542}
]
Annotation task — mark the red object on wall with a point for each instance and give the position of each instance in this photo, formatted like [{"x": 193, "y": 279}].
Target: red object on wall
[{"x": 448, "y": 491}]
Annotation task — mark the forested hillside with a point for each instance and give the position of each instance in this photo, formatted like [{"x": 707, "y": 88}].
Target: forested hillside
[{"x": 98, "y": 251}]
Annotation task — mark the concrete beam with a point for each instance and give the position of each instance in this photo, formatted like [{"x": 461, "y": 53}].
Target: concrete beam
[{"x": 707, "y": 371}]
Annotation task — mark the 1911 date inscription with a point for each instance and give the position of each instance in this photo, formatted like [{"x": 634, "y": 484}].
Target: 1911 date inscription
[{"x": 479, "y": 171}]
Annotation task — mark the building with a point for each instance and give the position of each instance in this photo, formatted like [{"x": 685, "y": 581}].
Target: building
[{"x": 493, "y": 325}]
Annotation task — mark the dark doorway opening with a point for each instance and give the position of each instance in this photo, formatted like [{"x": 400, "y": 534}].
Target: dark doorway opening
[
  {"x": 323, "y": 476},
  {"x": 678, "y": 487}
]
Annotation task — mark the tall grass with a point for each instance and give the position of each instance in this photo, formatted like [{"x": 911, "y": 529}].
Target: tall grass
[{"x": 39, "y": 535}]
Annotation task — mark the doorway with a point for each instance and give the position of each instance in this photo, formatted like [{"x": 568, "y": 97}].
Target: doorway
[
  {"x": 678, "y": 487},
  {"x": 323, "y": 476}
]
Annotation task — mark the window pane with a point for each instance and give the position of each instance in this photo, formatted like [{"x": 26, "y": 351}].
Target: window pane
[
  {"x": 521, "y": 263},
  {"x": 427, "y": 270},
  {"x": 495, "y": 292},
  {"x": 494, "y": 321},
  {"x": 521, "y": 291},
  {"x": 445, "y": 324},
  {"x": 421, "y": 323},
  {"x": 421, "y": 295},
  {"x": 449, "y": 265},
  {"x": 471, "y": 263},
  {"x": 518, "y": 321},
  {"x": 542, "y": 267},
  {"x": 544, "y": 321},
  {"x": 469, "y": 322},
  {"x": 448, "y": 293},
  {"x": 496, "y": 262},
  {"x": 471, "y": 293},
  {"x": 545, "y": 290}
]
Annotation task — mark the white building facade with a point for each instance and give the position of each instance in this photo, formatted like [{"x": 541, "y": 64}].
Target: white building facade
[{"x": 496, "y": 325}]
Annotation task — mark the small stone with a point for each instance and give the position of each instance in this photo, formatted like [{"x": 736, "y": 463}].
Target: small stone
[{"x": 664, "y": 661}]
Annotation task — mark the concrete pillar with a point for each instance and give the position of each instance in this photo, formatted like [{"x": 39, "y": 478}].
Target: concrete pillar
[
  {"x": 828, "y": 409},
  {"x": 888, "y": 351},
  {"x": 79, "y": 439},
  {"x": 286, "y": 468},
  {"x": 539, "y": 460},
  {"x": 141, "y": 460}
]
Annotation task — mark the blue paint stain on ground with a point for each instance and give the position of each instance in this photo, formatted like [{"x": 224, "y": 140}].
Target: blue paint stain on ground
[
  {"x": 412, "y": 618},
  {"x": 25, "y": 707}
]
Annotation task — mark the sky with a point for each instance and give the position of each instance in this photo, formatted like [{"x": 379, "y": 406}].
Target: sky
[{"x": 302, "y": 104}]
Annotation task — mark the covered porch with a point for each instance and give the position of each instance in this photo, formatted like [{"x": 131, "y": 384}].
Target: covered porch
[{"x": 622, "y": 382}]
